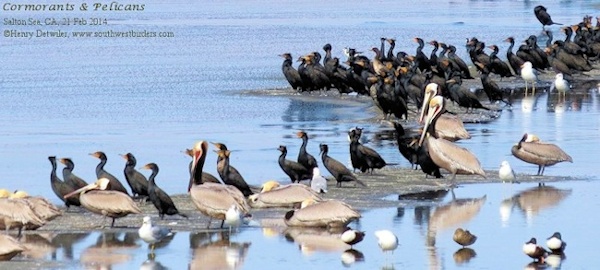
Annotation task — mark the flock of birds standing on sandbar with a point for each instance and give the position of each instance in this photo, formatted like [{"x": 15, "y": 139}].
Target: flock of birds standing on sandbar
[{"x": 393, "y": 81}]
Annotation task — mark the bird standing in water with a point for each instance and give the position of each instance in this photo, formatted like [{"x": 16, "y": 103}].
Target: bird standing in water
[
  {"x": 152, "y": 234},
  {"x": 506, "y": 173},
  {"x": 562, "y": 87},
  {"x": 528, "y": 75}
]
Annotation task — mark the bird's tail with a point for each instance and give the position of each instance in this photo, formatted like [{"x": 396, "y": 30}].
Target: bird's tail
[
  {"x": 557, "y": 23},
  {"x": 183, "y": 215}
]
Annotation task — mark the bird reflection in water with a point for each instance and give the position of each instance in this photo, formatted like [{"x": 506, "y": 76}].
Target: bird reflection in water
[
  {"x": 216, "y": 254},
  {"x": 65, "y": 241},
  {"x": 463, "y": 255},
  {"x": 152, "y": 264},
  {"x": 315, "y": 239},
  {"x": 351, "y": 256},
  {"x": 449, "y": 216},
  {"x": 37, "y": 246},
  {"x": 528, "y": 104},
  {"x": 109, "y": 250},
  {"x": 422, "y": 212},
  {"x": 532, "y": 201}
]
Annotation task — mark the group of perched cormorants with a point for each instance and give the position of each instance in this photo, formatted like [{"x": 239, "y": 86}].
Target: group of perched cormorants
[{"x": 395, "y": 80}]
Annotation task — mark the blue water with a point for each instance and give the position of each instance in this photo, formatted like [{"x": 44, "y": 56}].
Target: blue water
[{"x": 155, "y": 97}]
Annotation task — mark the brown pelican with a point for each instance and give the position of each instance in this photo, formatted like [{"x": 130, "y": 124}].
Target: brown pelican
[
  {"x": 330, "y": 213},
  {"x": 17, "y": 214},
  {"x": 446, "y": 155},
  {"x": 447, "y": 126},
  {"x": 275, "y": 195},
  {"x": 212, "y": 200},
  {"x": 9, "y": 247},
  {"x": 464, "y": 237},
  {"x": 98, "y": 199},
  {"x": 539, "y": 153},
  {"x": 206, "y": 177},
  {"x": 42, "y": 207}
]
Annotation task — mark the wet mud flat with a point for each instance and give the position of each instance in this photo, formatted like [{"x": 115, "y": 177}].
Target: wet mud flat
[{"x": 393, "y": 181}]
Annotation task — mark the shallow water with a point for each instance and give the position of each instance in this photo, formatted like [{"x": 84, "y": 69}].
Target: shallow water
[
  {"x": 156, "y": 97},
  {"x": 506, "y": 217}
]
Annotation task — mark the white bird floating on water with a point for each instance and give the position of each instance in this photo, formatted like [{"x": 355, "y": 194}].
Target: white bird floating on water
[
  {"x": 152, "y": 234},
  {"x": 506, "y": 173},
  {"x": 318, "y": 182}
]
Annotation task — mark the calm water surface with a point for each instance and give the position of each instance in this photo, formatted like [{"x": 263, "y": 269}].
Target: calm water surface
[{"x": 156, "y": 97}]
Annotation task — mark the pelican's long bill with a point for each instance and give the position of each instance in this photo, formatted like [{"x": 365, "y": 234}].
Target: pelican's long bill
[
  {"x": 101, "y": 183},
  {"x": 430, "y": 92},
  {"x": 435, "y": 107}
]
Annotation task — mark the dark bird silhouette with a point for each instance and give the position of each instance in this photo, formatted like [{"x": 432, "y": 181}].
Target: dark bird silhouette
[
  {"x": 465, "y": 72},
  {"x": 161, "y": 200},
  {"x": 407, "y": 145},
  {"x": 497, "y": 65},
  {"x": 136, "y": 180},
  {"x": 542, "y": 15},
  {"x": 71, "y": 179},
  {"x": 114, "y": 183},
  {"x": 294, "y": 170},
  {"x": 307, "y": 160},
  {"x": 490, "y": 87},
  {"x": 229, "y": 176},
  {"x": 61, "y": 188},
  {"x": 337, "y": 169},
  {"x": 368, "y": 159},
  {"x": 290, "y": 73},
  {"x": 462, "y": 96},
  {"x": 421, "y": 59},
  {"x": 515, "y": 61}
]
